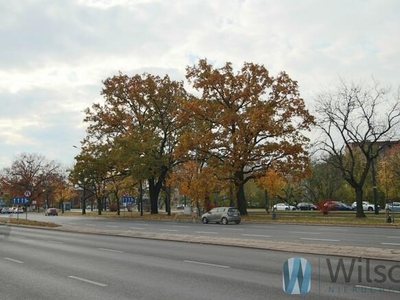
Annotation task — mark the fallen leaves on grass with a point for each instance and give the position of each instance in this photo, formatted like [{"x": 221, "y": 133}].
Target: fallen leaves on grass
[{"x": 31, "y": 223}]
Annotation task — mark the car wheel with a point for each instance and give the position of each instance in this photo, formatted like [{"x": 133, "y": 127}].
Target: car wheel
[
  {"x": 237, "y": 222},
  {"x": 370, "y": 209},
  {"x": 204, "y": 220},
  {"x": 224, "y": 221}
]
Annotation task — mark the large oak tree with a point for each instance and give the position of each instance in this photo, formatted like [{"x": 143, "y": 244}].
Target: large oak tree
[
  {"x": 245, "y": 122},
  {"x": 138, "y": 118}
]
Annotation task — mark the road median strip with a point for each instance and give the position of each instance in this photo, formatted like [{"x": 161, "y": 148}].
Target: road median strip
[{"x": 294, "y": 247}]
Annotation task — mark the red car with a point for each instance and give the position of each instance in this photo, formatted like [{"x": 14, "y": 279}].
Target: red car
[{"x": 336, "y": 205}]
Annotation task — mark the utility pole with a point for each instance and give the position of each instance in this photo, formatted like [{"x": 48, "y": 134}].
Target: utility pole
[{"x": 141, "y": 197}]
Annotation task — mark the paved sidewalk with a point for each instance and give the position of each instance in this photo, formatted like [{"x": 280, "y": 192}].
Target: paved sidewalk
[{"x": 322, "y": 249}]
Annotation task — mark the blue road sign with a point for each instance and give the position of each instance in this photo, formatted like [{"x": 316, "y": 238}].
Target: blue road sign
[
  {"x": 128, "y": 199},
  {"x": 20, "y": 200}
]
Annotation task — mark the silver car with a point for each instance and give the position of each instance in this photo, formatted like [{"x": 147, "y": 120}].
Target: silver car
[
  {"x": 222, "y": 215},
  {"x": 394, "y": 206},
  {"x": 283, "y": 206}
]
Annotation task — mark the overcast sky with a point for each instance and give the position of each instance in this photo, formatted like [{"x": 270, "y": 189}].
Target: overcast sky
[{"x": 55, "y": 53}]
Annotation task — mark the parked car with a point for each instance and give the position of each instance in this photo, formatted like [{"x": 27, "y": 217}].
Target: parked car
[
  {"x": 222, "y": 215},
  {"x": 336, "y": 205},
  {"x": 51, "y": 212},
  {"x": 393, "y": 206},
  {"x": 283, "y": 206},
  {"x": 4, "y": 210},
  {"x": 15, "y": 210},
  {"x": 366, "y": 206},
  {"x": 7, "y": 210},
  {"x": 327, "y": 205},
  {"x": 306, "y": 206}
]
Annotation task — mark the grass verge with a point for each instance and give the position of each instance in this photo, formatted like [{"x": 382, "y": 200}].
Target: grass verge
[
  {"x": 30, "y": 223},
  {"x": 332, "y": 218},
  {"x": 254, "y": 215}
]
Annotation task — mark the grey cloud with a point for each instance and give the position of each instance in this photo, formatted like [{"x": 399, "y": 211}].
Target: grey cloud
[
  {"x": 37, "y": 32},
  {"x": 60, "y": 51}
]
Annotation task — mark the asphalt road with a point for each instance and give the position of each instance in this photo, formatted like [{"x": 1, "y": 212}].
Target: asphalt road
[
  {"x": 358, "y": 236},
  {"x": 45, "y": 264}
]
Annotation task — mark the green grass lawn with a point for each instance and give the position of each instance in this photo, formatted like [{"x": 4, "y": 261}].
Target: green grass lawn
[
  {"x": 316, "y": 217},
  {"x": 260, "y": 215}
]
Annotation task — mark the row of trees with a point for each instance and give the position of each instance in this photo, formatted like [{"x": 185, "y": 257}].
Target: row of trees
[
  {"x": 235, "y": 128},
  {"x": 324, "y": 182},
  {"x": 150, "y": 128}
]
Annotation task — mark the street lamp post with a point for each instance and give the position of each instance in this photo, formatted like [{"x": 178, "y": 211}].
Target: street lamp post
[
  {"x": 141, "y": 197},
  {"x": 374, "y": 188},
  {"x": 84, "y": 196},
  {"x": 46, "y": 197}
]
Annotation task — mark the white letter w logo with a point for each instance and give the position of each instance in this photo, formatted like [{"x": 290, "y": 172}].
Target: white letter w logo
[{"x": 296, "y": 276}]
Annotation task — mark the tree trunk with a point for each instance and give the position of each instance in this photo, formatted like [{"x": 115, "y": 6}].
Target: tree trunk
[
  {"x": 240, "y": 196},
  {"x": 99, "y": 206},
  {"x": 168, "y": 200},
  {"x": 359, "y": 198},
  {"x": 241, "y": 199},
  {"x": 155, "y": 188},
  {"x": 154, "y": 192},
  {"x": 118, "y": 205},
  {"x": 266, "y": 201}
]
